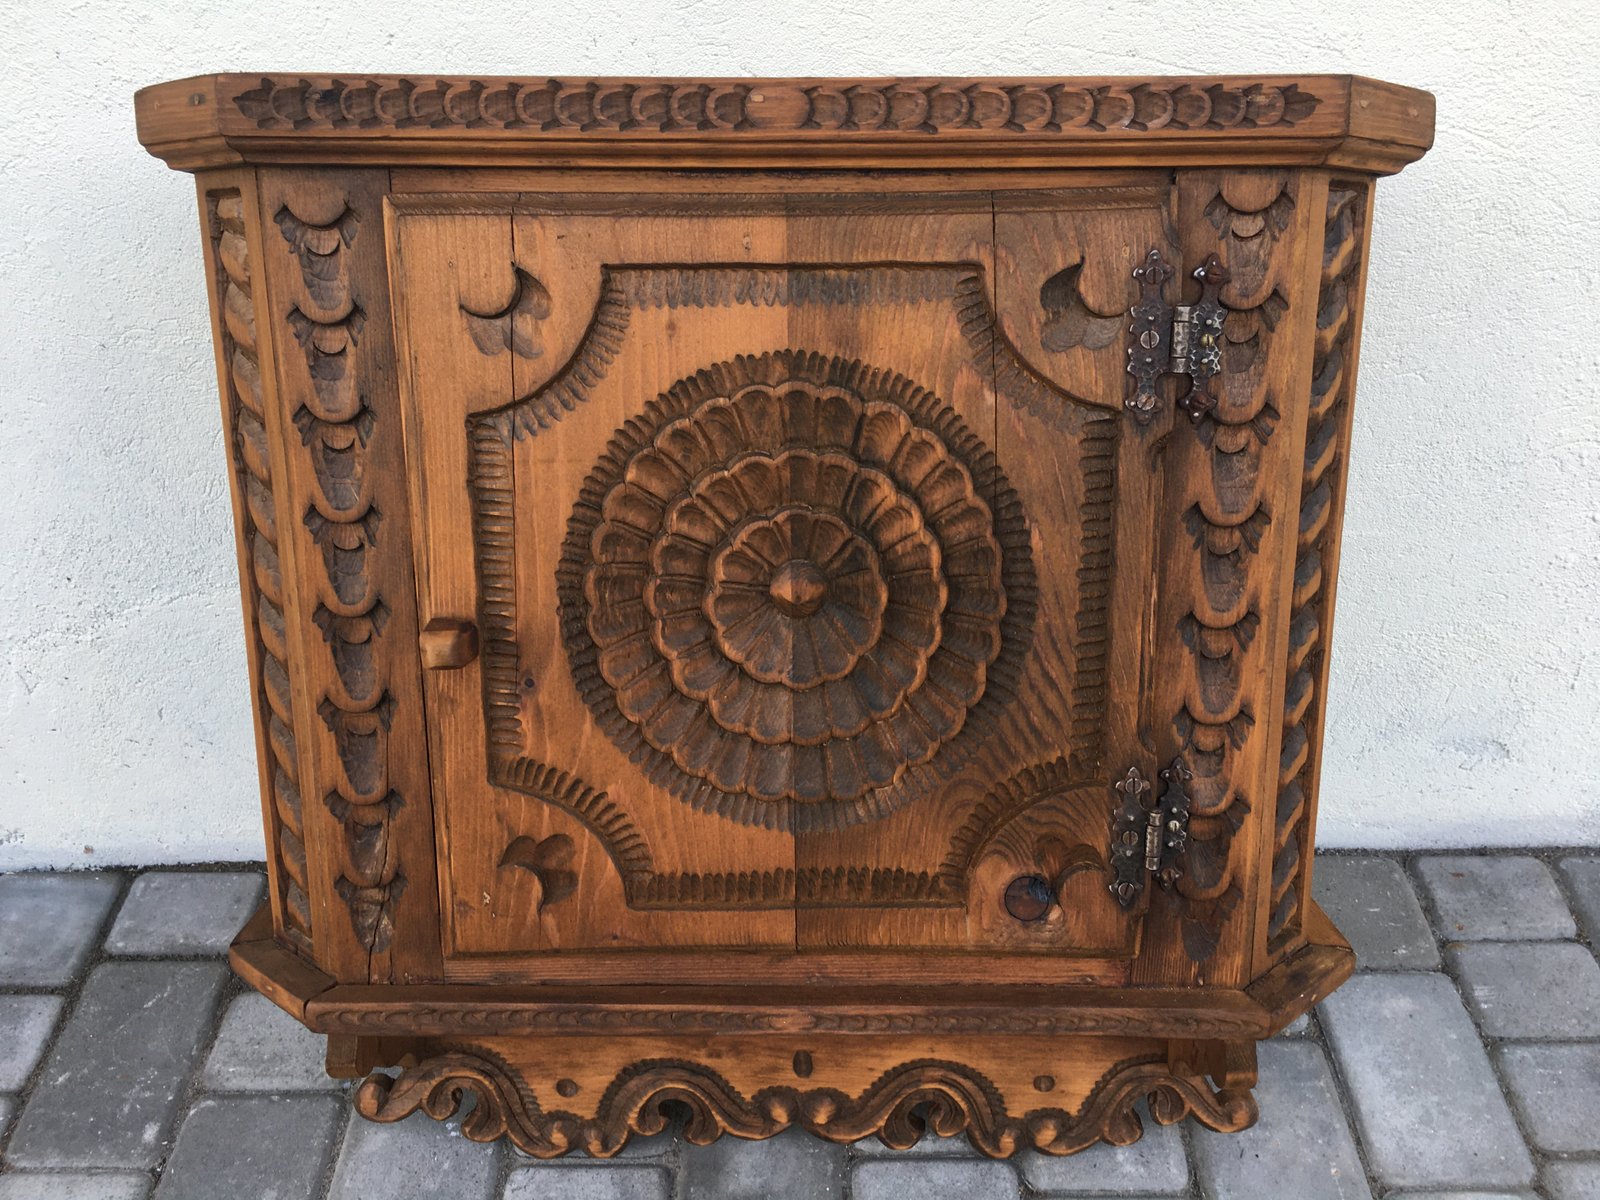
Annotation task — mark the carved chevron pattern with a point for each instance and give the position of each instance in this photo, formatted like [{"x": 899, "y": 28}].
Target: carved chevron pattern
[
  {"x": 336, "y": 426},
  {"x": 587, "y": 106},
  {"x": 947, "y": 1097},
  {"x": 1332, "y": 383},
  {"x": 252, "y": 464}
]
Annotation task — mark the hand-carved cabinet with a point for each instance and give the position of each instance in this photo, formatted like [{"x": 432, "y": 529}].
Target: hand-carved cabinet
[{"x": 808, "y": 600}]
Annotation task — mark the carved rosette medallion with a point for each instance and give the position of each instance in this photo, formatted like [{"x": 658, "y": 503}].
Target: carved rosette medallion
[{"x": 786, "y": 584}]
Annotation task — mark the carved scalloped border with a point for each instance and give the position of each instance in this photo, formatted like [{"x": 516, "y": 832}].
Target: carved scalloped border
[
  {"x": 599, "y": 107},
  {"x": 948, "y": 1097},
  {"x": 342, "y": 519}
]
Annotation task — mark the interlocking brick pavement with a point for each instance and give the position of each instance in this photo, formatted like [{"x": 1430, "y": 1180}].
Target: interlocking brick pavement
[{"x": 1474, "y": 1008}]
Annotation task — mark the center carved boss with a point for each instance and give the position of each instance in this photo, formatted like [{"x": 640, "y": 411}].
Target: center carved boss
[{"x": 783, "y": 585}]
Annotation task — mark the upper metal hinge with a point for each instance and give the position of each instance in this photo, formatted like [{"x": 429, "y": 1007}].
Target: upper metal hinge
[{"x": 1184, "y": 339}]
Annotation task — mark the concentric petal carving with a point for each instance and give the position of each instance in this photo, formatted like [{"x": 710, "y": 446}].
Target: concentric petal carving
[{"x": 787, "y": 583}]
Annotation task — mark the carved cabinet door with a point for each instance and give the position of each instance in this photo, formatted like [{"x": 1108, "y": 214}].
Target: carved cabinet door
[{"x": 808, "y": 552}]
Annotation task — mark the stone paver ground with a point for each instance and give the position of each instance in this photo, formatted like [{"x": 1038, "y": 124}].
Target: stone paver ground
[{"x": 1462, "y": 1063}]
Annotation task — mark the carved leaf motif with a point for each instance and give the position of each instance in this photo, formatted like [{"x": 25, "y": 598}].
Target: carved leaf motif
[
  {"x": 350, "y": 640},
  {"x": 344, "y": 546},
  {"x": 549, "y": 862},
  {"x": 1069, "y": 321},
  {"x": 318, "y": 247},
  {"x": 1059, "y": 862},
  {"x": 1218, "y": 655},
  {"x": 1270, "y": 218},
  {"x": 372, "y": 909},
  {"x": 515, "y": 325},
  {"x": 329, "y": 349}
]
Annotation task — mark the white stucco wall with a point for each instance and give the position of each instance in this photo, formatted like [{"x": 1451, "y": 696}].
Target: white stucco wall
[{"x": 1467, "y": 661}]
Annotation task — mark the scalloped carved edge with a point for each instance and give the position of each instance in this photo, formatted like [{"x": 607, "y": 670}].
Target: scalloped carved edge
[
  {"x": 1227, "y": 522},
  {"x": 897, "y": 1108},
  {"x": 342, "y": 519},
  {"x": 597, "y": 107}
]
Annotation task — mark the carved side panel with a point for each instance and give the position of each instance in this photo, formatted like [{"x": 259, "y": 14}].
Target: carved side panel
[
  {"x": 348, "y": 546},
  {"x": 1229, "y": 531},
  {"x": 244, "y": 407},
  {"x": 1321, "y": 504}
]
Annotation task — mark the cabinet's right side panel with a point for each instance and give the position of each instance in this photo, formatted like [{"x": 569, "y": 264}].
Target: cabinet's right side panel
[{"x": 1340, "y": 281}]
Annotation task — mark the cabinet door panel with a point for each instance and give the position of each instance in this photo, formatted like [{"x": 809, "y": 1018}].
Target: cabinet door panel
[
  {"x": 1031, "y": 795},
  {"x": 804, "y": 550},
  {"x": 527, "y": 352}
]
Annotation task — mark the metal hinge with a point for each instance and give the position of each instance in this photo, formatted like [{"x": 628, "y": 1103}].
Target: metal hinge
[
  {"x": 1185, "y": 339},
  {"x": 1149, "y": 837}
]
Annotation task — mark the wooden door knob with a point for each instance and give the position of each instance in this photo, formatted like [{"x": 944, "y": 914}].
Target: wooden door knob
[{"x": 448, "y": 643}]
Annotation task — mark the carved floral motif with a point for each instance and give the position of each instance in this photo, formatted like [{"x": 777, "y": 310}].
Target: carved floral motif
[{"x": 789, "y": 580}]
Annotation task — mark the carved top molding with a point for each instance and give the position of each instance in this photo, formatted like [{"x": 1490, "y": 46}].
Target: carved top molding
[{"x": 1343, "y": 120}]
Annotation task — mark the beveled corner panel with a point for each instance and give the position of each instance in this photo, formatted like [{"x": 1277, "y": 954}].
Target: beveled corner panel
[
  {"x": 232, "y": 240},
  {"x": 345, "y": 545},
  {"x": 1340, "y": 281},
  {"x": 1229, "y": 535}
]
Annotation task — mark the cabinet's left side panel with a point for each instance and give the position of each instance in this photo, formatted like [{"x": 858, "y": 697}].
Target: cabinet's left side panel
[
  {"x": 233, "y": 277},
  {"x": 339, "y": 694}
]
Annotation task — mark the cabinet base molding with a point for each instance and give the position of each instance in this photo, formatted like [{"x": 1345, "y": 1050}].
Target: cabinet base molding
[
  {"x": 557, "y": 1096},
  {"x": 562, "y": 1069}
]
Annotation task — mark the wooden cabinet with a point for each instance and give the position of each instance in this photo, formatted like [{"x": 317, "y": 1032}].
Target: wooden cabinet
[{"x": 804, "y": 598}]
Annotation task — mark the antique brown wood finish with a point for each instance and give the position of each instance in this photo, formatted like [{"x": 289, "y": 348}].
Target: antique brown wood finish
[{"x": 719, "y": 627}]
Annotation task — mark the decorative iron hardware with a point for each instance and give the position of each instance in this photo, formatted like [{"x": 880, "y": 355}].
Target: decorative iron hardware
[
  {"x": 1175, "y": 340},
  {"x": 1147, "y": 839}
]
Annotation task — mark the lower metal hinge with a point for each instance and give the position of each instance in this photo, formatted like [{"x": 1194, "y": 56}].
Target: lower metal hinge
[
  {"x": 1184, "y": 339},
  {"x": 1148, "y": 837}
]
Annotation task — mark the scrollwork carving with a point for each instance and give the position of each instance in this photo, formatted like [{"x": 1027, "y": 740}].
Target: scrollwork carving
[{"x": 947, "y": 1097}]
